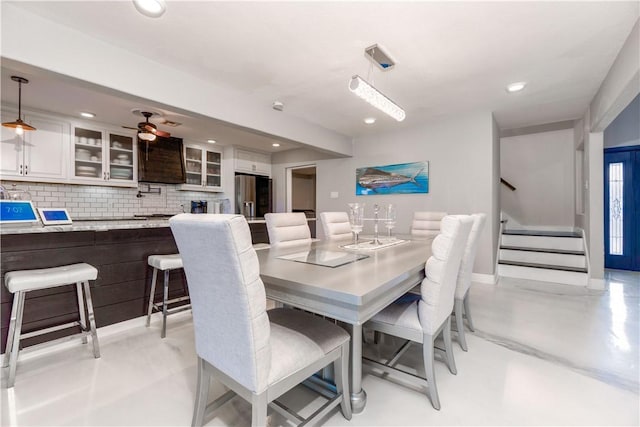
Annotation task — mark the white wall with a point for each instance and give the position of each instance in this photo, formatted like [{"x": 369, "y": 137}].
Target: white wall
[
  {"x": 462, "y": 154},
  {"x": 625, "y": 129},
  {"x": 541, "y": 167}
]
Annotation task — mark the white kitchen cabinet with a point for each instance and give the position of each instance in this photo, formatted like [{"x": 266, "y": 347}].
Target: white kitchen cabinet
[
  {"x": 40, "y": 155},
  {"x": 103, "y": 157},
  {"x": 203, "y": 168},
  {"x": 252, "y": 162}
]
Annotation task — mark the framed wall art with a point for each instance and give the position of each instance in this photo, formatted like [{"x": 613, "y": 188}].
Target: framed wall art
[{"x": 403, "y": 178}]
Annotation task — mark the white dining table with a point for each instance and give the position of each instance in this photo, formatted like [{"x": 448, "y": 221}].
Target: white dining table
[{"x": 351, "y": 293}]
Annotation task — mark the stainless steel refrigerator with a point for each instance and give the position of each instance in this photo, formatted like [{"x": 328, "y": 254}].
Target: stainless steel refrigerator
[{"x": 253, "y": 195}]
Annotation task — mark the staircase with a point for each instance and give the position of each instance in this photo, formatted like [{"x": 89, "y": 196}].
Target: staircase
[{"x": 544, "y": 255}]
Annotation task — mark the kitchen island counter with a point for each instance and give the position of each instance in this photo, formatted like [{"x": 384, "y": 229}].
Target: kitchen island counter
[{"x": 103, "y": 224}]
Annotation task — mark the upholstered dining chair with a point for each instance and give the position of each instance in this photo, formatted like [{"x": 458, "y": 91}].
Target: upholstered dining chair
[
  {"x": 461, "y": 300},
  {"x": 258, "y": 354},
  {"x": 335, "y": 225},
  {"x": 426, "y": 224},
  {"x": 424, "y": 317},
  {"x": 287, "y": 229}
]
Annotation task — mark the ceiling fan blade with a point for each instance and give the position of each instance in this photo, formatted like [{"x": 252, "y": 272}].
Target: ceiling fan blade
[
  {"x": 162, "y": 133},
  {"x": 129, "y": 127},
  {"x": 148, "y": 127}
]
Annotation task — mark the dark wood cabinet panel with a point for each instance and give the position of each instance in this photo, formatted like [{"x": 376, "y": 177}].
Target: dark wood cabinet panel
[{"x": 121, "y": 291}]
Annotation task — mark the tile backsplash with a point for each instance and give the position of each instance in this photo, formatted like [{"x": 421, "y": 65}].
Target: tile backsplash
[{"x": 89, "y": 201}]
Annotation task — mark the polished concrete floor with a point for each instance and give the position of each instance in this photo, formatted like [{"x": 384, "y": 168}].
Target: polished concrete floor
[{"x": 541, "y": 355}]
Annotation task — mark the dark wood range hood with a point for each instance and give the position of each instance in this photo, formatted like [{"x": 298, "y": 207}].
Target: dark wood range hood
[{"x": 161, "y": 161}]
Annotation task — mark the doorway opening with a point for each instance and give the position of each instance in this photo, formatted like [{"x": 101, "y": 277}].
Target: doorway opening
[{"x": 301, "y": 190}]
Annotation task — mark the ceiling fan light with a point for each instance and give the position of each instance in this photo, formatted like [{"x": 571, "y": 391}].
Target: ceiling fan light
[
  {"x": 146, "y": 136},
  {"x": 150, "y": 8},
  {"x": 376, "y": 98}
]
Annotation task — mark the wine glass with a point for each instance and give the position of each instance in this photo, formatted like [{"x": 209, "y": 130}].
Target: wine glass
[
  {"x": 390, "y": 219},
  {"x": 356, "y": 219}
]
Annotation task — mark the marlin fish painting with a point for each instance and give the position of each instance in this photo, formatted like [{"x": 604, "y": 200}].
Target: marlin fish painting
[{"x": 393, "y": 179}]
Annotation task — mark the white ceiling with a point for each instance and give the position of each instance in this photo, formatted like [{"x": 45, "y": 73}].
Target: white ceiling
[{"x": 452, "y": 57}]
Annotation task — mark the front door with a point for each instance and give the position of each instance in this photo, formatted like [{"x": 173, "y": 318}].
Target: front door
[{"x": 622, "y": 208}]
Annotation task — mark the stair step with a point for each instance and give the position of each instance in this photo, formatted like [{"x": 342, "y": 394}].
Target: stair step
[
  {"x": 550, "y": 251},
  {"x": 543, "y": 266},
  {"x": 542, "y": 242},
  {"x": 544, "y": 275},
  {"x": 546, "y": 233}
]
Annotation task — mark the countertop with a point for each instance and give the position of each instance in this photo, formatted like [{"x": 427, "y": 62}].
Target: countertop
[{"x": 100, "y": 224}]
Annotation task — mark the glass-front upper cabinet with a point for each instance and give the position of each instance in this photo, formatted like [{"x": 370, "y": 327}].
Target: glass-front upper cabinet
[
  {"x": 203, "y": 168},
  {"x": 102, "y": 157},
  {"x": 88, "y": 154},
  {"x": 121, "y": 158}
]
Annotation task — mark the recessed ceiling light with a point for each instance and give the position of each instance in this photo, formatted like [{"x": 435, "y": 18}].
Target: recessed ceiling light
[
  {"x": 275, "y": 144},
  {"x": 87, "y": 114},
  {"x": 516, "y": 87},
  {"x": 370, "y": 120},
  {"x": 150, "y": 8},
  {"x": 211, "y": 141}
]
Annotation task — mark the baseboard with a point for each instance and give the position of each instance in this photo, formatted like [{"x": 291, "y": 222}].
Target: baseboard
[
  {"x": 597, "y": 284},
  {"x": 489, "y": 279}
]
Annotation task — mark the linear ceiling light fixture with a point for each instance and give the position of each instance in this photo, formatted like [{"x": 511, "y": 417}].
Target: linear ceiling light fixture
[
  {"x": 19, "y": 125},
  {"x": 376, "y": 98},
  {"x": 150, "y": 8}
]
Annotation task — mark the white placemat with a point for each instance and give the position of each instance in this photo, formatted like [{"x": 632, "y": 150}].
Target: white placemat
[{"x": 370, "y": 246}]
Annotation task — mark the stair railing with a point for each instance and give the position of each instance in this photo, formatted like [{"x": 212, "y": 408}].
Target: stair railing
[{"x": 507, "y": 184}]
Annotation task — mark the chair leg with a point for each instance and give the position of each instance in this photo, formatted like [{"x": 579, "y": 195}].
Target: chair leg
[
  {"x": 13, "y": 360},
  {"x": 202, "y": 395},
  {"x": 467, "y": 312},
  {"x": 151, "y": 295},
  {"x": 12, "y": 330},
  {"x": 259, "y": 410},
  {"x": 165, "y": 309},
  {"x": 83, "y": 320},
  {"x": 428, "y": 355},
  {"x": 460, "y": 324},
  {"x": 92, "y": 320},
  {"x": 341, "y": 374},
  {"x": 448, "y": 346}
]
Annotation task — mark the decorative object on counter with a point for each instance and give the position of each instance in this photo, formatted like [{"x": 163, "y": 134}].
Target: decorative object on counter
[
  {"x": 19, "y": 125},
  {"x": 356, "y": 218},
  {"x": 16, "y": 193},
  {"x": 17, "y": 212},
  {"x": 20, "y": 282},
  {"x": 198, "y": 206},
  {"x": 54, "y": 216},
  {"x": 164, "y": 263},
  {"x": 403, "y": 178},
  {"x": 390, "y": 219}
]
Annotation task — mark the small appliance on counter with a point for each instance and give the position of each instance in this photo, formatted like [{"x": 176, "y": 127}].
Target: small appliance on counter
[{"x": 198, "y": 206}]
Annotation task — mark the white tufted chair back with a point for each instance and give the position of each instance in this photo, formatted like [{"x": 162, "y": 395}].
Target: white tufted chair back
[
  {"x": 439, "y": 285},
  {"x": 335, "y": 225},
  {"x": 469, "y": 256},
  {"x": 426, "y": 224},
  {"x": 287, "y": 229},
  {"x": 227, "y": 295}
]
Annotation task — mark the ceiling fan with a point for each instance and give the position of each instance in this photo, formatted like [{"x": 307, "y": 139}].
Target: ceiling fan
[{"x": 148, "y": 131}]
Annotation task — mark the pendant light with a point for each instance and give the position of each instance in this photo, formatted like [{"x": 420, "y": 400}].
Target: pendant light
[{"x": 19, "y": 125}]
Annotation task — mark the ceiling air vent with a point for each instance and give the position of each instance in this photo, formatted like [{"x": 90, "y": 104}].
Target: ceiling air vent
[
  {"x": 378, "y": 56},
  {"x": 170, "y": 123}
]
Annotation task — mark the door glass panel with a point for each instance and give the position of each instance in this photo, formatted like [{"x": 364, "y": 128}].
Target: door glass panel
[
  {"x": 194, "y": 166},
  {"x": 616, "y": 200}
]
